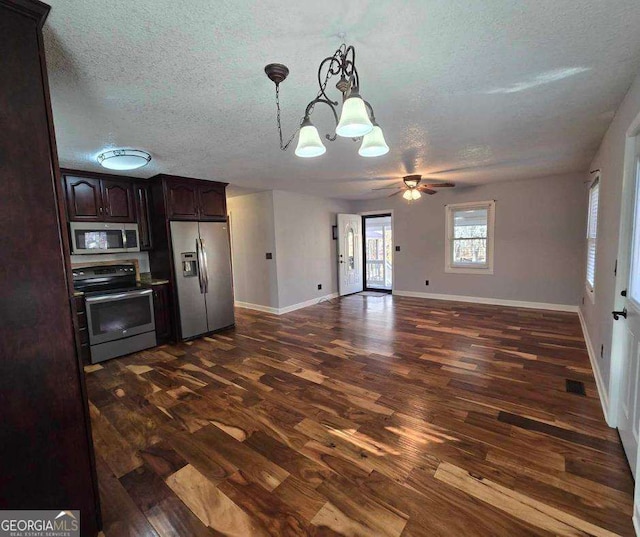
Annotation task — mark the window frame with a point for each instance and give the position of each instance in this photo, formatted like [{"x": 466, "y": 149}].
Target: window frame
[
  {"x": 466, "y": 268},
  {"x": 591, "y": 287}
]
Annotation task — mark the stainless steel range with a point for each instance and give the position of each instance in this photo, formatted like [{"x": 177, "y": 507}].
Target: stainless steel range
[{"x": 119, "y": 310}]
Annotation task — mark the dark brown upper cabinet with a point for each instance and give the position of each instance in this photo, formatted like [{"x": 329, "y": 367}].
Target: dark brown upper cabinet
[
  {"x": 194, "y": 199},
  {"x": 117, "y": 198},
  {"x": 84, "y": 198},
  {"x": 182, "y": 200},
  {"x": 97, "y": 198},
  {"x": 213, "y": 203},
  {"x": 142, "y": 193}
]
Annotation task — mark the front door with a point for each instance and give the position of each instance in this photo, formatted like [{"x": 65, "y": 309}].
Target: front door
[
  {"x": 629, "y": 402},
  {"x": 349, "y": 254}
]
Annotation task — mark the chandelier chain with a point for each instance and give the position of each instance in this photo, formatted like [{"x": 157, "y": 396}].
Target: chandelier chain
[{"x": 284, "y": 147}]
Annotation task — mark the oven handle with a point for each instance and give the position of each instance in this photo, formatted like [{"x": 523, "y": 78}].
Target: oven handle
[
  {"x": 200, "y": 265},
  {"x": 119, "y": 296}
]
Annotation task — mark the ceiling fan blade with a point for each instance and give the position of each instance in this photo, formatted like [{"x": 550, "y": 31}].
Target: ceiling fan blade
[
  {"x": 439, "y": 185},
  {"x": 427, "y": 190},
  {"x": 395, "y": 193}
]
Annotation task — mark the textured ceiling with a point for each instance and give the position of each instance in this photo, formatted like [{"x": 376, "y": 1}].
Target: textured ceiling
[{"x": 472, "y": 91}]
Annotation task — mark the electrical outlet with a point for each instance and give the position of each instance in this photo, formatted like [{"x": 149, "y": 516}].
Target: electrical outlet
[
  {"x": 601, "y": 351},
  {"x": 319, "y": 286},
  {"x": 269, "y": 255},
  {"x": 426, "y": 282},
  {"x": 397, "y": 248}
]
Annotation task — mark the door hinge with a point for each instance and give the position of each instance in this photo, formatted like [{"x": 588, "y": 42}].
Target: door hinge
[{"x": 615, "y": 268}]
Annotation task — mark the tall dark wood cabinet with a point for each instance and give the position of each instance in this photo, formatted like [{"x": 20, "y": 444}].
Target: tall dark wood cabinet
[
  {"x": 46, "y": 456},
  {"x": 142, "y": 193}
]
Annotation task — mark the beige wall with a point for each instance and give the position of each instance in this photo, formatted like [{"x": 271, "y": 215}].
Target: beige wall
[
  {"x": 252, "y": 236},
  {"x": 306, "y": 252},
  {"x": 610, "y": 159},
  {"x": 539, "y": 243},
  {"x": 296, "y": 229}
]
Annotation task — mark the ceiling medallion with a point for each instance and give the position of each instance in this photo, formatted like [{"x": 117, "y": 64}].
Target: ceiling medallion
[
  {"x": 124, "y": 159},
  {"x": 356, "y": 119}
]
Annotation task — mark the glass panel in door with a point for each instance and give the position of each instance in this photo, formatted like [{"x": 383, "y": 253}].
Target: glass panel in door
[{"x": 378, "y": 252}]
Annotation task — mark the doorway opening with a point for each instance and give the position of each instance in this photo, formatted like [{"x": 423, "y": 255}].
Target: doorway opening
[{"x": 378, "y": 252}]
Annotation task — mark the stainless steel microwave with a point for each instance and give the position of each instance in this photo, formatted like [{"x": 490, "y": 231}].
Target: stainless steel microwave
[{"x": 103, "y": 238}]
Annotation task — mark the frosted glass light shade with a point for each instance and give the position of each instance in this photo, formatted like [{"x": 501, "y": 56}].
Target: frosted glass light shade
[
  {"x": 309, "y": 142},
  {"x": 354, "y": 119},
  {"x": 374, "y": 144},
  {"x": 124, "y": 159},
  {"x": 411, "y": 195}
]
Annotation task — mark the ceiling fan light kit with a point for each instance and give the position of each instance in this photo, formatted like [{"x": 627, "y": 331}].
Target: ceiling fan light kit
[
  {"x": 356, "y": 119},
  {"x": 413, "y": 188},
  {"x": 412, "y": 194}
]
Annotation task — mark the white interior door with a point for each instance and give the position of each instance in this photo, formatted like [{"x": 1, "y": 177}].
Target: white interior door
[
  {"x": 628, "y": 400},
  {"x": 349, "y": 254}
]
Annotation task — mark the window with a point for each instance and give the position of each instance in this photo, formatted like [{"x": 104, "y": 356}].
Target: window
[
  {"x": 469, "y": 246},
  {"x": 592, "y": 235}
]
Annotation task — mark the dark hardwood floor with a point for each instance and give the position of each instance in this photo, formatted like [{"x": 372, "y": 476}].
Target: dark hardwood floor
[{"x": 367, "y": 416}]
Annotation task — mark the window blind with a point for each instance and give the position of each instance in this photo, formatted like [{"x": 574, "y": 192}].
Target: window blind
[{"x": 592, "y": 233}]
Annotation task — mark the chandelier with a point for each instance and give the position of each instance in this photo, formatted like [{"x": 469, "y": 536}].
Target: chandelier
[{"x": 356, "y": 119}]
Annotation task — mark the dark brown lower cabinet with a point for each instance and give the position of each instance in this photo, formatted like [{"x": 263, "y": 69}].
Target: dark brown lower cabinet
[
  {"x": 46, "y": 452},
  {"x": 162, "y": 312},
  {"x": 82, "y": 330}
]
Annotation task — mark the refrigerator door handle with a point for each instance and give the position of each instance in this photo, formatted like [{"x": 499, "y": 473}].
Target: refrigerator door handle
[
  {"x": 200, "y": 266},
  {"x": 206, "y": 267}
]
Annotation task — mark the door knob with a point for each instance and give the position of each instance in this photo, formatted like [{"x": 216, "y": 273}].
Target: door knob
[{"x": 618, "y": 314}]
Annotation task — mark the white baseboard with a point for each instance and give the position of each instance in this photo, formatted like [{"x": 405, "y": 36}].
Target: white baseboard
[
  {"x": 490, "y": 301},
  {"x": 257, "y": 307},
  {"x": 287, "y": 309},
  {"x": 602, "y": 391},
  {"x": 306, "y": 303}
]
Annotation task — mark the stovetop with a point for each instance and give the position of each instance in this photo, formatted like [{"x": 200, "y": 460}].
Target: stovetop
[{"x": 106, "y": 279}]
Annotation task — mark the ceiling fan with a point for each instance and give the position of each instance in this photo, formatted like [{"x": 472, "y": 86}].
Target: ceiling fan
[{"x": 412, "y": 187}]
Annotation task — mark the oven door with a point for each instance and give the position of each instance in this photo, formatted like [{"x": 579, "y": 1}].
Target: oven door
[
  {"x": 121, "y": 315},
  {"x": 97, "y": 238}
]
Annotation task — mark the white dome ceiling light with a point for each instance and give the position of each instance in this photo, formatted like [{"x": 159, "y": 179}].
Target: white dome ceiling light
[
  {"x": 124, "y": 159},
  {"x": 356, "y": 119}
]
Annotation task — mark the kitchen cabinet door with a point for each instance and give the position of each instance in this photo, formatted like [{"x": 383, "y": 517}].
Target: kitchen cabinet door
[
  {"x": 117, "y": 197},
  {"x": 213, "y": 204},
  {"x": 84, "y": 199},
  {"x": 182, "y": 200},
  {"x": 142, "y": 194},
  {"x": 162, "y": 312}
]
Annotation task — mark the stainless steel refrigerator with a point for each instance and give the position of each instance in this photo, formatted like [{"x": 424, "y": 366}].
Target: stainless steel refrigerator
[{"x": 202, "y": 261}]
